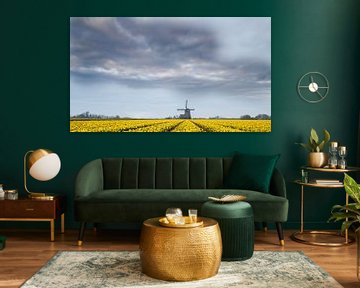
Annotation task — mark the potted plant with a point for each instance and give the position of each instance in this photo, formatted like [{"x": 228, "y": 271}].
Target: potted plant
[
  {"x": 317, "y": 157},
  {"x": 350, "y": 214}
]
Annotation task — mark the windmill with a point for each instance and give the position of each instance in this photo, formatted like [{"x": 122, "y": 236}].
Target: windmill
[{"x": 187, "y": 110}]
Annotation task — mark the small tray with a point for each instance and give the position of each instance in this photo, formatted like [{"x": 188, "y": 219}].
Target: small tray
[
  {"x": 164, "y": 222},
  {"x": 228, "y": 198}
]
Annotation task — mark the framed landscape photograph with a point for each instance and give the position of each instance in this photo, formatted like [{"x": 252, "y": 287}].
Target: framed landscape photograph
[{"x": 170, "y": 74}]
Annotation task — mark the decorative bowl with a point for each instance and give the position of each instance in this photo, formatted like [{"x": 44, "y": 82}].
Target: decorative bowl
[{"x": 228, "y": 198}]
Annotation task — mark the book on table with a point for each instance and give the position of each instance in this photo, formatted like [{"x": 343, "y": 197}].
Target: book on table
[{"x": 327, "y": 181}]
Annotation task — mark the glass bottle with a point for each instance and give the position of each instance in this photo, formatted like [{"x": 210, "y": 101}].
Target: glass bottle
[
  {"x": 342, "y": 154},
  {"x": 11, "y": 194},
  {"x": 174, "y": 215},
  {"x": 2, "y": 192},
  {"x": 304, "y": 176},
  {"x": 333, "y": 162}
]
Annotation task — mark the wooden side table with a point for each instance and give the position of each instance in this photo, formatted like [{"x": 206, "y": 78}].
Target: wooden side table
[{"x": 26, "y": 209}]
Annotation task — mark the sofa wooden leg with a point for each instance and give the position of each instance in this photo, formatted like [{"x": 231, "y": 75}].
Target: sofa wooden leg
[
  {"x": 81, "y": 233},
  {"x": 265, "y": 227},
  {"x": 280, "y": 233}
]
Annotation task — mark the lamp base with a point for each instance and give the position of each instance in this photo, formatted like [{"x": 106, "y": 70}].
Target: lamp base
[{"x": 41, "y": 196}]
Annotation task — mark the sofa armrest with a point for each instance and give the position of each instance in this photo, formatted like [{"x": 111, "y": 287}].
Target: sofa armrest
[
  {"x": 277, "y": 184},
  {"x": 89, "y": 179}
]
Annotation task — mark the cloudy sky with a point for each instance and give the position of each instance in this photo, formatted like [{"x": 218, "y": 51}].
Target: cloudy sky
[{"x": 148, "y": 67}]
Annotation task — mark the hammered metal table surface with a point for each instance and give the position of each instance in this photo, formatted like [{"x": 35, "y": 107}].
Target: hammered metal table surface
[{"x": 180, "y": 254}]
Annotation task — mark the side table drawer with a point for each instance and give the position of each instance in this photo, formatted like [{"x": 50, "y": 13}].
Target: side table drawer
[{"x": 31, "y": 209}]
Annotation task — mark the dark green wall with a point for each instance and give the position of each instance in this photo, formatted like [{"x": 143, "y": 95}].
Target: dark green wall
[{"x": 307, "y": 35}]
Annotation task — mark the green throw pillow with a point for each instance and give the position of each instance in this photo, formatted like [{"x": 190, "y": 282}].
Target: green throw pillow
[{"x": 251, "y": 172}]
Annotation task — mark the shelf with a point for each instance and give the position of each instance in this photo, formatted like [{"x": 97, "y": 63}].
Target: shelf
[
  {"x": 313, "y": 184},
  {"x": 348, "y": 169}
]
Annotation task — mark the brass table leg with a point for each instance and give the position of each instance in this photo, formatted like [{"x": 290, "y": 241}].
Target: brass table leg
[
  {"x": 297, "y": 235},
  {"x": 63, "y": 223},
  {"x": 302, "y": 210},
  {"x": 346, "y": 230},
  {"x": 52, "y": 230}
]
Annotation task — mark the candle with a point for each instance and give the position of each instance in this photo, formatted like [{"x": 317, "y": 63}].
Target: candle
[
  {"x": 342, "y": 154},
  {"x": 333, "y": 144},
  {"x": 342, "y": 149}
]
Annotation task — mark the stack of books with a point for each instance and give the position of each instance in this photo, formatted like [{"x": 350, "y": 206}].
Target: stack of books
[{"x": 327, "y": 181}]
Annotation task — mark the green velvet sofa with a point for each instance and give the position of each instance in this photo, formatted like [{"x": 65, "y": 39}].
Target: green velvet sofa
[{"x": 130, "y": 190}]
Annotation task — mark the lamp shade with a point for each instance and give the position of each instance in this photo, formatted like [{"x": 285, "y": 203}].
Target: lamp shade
[{"x": 43, "y": 164}]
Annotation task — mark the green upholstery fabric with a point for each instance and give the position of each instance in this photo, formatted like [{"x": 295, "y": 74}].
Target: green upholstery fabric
[
  {"x": 163, "y": 178},
  {"x": 266, "y": 207},
  {"x": 165, "y": 173},
  {"x": 214, "y": 173},
  {"x": 236, "y": 223},
  {"x": 134, "y": 189},
  {"x": 217, "y": 210},
  {"x": 277, "y": 184},
  {"x": 181, "y": 169},
  {"x": 251, "y": 172},
  {"x": 129, "y": 173},
  {"x": 147, "y": 173},
  {"x": 197, "y": 173},
  {"x": 89, "y": 179},
  {"x": 112, "y": 172}
]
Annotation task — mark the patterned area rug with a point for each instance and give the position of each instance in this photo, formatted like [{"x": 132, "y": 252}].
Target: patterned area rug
[{"x": 122, "y": 269}]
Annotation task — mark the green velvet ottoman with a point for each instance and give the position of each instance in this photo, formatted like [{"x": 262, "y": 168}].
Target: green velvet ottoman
[{"x": 236, "y": 221}]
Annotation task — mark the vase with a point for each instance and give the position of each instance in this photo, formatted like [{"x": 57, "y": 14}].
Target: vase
[{"x": 317, "y": 159}]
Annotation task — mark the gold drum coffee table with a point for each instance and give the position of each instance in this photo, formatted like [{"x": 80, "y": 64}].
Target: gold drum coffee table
[{"x": 180, "y": 254}]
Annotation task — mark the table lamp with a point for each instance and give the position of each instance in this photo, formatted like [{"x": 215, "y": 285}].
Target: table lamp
[{"x": 43, "y": 165}]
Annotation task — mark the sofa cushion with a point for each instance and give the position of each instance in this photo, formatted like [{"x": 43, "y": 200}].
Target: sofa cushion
[
  {"x": 251, "y": 172},
  {"x": 266, "y": 207},
  {"x": 164, "y": 173}
]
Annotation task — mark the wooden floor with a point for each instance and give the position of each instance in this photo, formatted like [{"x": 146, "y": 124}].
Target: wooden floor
[{"x": 28, "y": 250}]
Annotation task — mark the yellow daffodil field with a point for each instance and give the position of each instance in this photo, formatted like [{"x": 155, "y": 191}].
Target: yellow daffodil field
[{"x": 169, "y": 125}]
